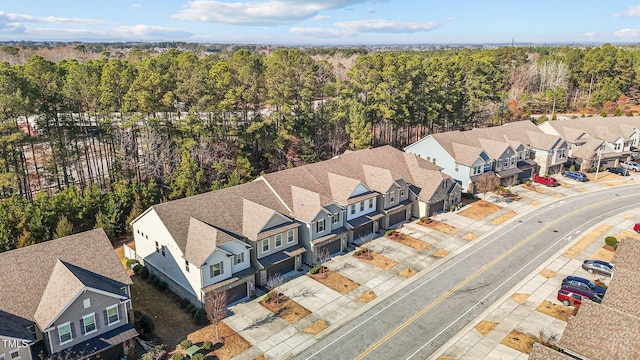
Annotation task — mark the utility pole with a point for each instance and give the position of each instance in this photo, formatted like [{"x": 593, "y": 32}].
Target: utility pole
[{"x": 599, "y": 158}]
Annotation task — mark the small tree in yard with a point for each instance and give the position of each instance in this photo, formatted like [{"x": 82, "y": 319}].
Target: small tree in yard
[
  {"x": 364, "y": 240},
  {"x": 487, "y": 182},
  {"x": 322, "y": 256},
  {"x": 273, "y": 281},
  {"x": 216, "y": 308}
]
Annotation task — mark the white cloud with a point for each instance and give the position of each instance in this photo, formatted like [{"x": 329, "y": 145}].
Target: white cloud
[
  {"x": 9, "y": 17},
  {"x": 371, "y": 10},
  {"x": 386, "y": 26},
  {"x": 119, "y": 33},
  {"x": 320, "y": 32},
  {"x": 632, "y": 11},
  {"x": 269, "y": 12},
  {"x": 136, "y": 6},
  {"x": 627, "y": 34}
]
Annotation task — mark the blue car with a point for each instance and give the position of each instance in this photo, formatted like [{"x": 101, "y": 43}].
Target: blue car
[
  {"x": 576, "y": 175},
  {"x": 585, "y": 284}
]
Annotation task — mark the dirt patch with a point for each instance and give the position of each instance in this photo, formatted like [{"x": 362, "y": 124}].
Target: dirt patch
[
  {"x": 628, "y": 234},
  {"x": 316, "y": 327},
  {"x": 440, "y": 226},
  {"x": 557, "y": 311},
  {"x": 510, "y": 196},
  {"x": 445, "y": 358},
  {"x": 580, "y": 189},
  {"x": 289, "y": 310},
  {"x": 538, "y": 189},
  {"x": 502, "y": 218},
  {"x": 440, "y": 253},
  {"x": 558, "y": 195},
  {"x": 534, "y": 203},
  {"x": 602, "y": 176},
  {"x": 337, "y": 282},
  {"x": 259, "y": 357},
  {"x": 366, "y": 297},
  {"x": 620, "y": 182},
  {"x": 547, "y": 273},
  {"x": 519, "y": 341},
  {"x": 408, "y": 272},
  {"x": 586, "y": 240},
  {"x": 485, "y": 327},
  {"x": 409, "y": 241},
  {"x": 234, "y": 344},
  {"x": 479, "y": 210},
  {"x": 520, "y": 298},
  {"x": 628, "y": 216},
  {"x": 469, "y": 236},
  {"x": 172, "y": 323},
  {"x": 380, "y": 261},
  {"x": 564, "y": 184},
  {"x": 603, "y": 254}
]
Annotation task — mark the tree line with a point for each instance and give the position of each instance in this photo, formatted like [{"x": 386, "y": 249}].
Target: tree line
[{"x": 94, "y": 141}]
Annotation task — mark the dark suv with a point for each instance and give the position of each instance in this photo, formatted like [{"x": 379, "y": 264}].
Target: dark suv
[
  {"x": 582, "y": 292},
  {"x": 585, "y": 284},
  {"x": 618, "y": 170}
]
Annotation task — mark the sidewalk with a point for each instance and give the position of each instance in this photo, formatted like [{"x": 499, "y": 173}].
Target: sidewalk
[{"x": 274, "y": 338}]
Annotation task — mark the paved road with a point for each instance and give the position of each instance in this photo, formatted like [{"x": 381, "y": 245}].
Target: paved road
[{"x": 419, "y": 319}]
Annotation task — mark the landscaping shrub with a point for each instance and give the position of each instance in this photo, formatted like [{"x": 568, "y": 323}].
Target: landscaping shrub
[
  {"x": 155, "y": 282},
  {"x": 194, "y": 310},
  {"x": 144, "y": 272},
  {"x": 197, "y": 356},
  {"x": 144, "y": 324},
  {"x": 207, "y": 345},
  {"x": 184, "y": 302},
  {"x": 189, "y": 307},
  {"x": 358, "y": 252},
  {"x": 389, "y": 232},
  {"x": 315, "y": 269},
  {"x": 423, "y": 219},
  {"x": 468, "y": 195},
  {"x": 268, "y": 297},
  {"x": 137, "y": 269},
  {"x": 185, "y": 344},
  {"x": 151, "y": 278},
  {"x": 162, "y": 285},
  {"x": 131, "y": 262},
  {"x": 177, "y": 356},
  {"x": 611, "y": 240},
  {"x": 200, "y": 317},
  {"x": 572, "y": 168},
  {"x": 528, "y": 182}
]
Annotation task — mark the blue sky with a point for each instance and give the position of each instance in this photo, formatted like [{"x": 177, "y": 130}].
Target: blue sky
[{"x": 322, "y": 22}]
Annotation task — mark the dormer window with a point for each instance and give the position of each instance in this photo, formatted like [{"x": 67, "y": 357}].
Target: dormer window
[
  {"x": 238, "y": 259},
  {"x": 401, "y": 190},
  {"x": 186, "y": 266},
  {"x": 392, "y": 197},
  {"x": 353, "y": 209},
  {"x": 320, "y": 226},
  {"x": 335, "y": 218},
  {"x": 361, "y": 205},
  {"x": 370, "y": 203}
]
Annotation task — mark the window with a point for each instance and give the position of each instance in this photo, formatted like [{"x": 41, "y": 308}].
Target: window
[
  {"x": 617, "y": 146},
  {"x": 477, "y": 170},
  {"x": 513, "y": 160},
  {"x": 216, "y": 269},
  {"x": 434, "y": 161},
  {"x": 238, "y": 258},
  {"x": 561, "y": 153},
  {"x": 335, "y": 218},
  {"x": 278, "y": 240},
  {"x": 89, "y": 323},
  {"x": 86, "y": 303},
  {"x": 353, "y": 209},
  {"x": 32, "y": 330},
  {"x": 112, "y": 315},
  {"x": 361, "y": 205},
  {"x": 392, "y": 197},
  {"x": 157, "y": 247},
  {"x": 163, "y": 253},
  {"x": 401, "y": 190},
  {"x": 64, "y": 333},
  {"x": 444, "y": 184},
  {"x": 290, "y": 236},
  {"x": 14, "y": 355},
  {"x": 186, "y": 266},
  {"x": 370, "y": 203},
  {"x": 320, "y": 226},
  {"x": 499, "y": 164},
  {"x": 265, "y": 245},
  {"x": 520, "y": 155}
]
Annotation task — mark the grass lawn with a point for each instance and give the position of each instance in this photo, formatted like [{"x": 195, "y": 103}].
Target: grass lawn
[
  {"x": 172, "y": 323},
  {"x": 289, "y": 310},
  {"x": 380, "y": 261},
  {"x": 335, "y": 281},
  {"x": 480, "y": 209},
  {"x": 409, "y": 241},
  {"x": 520, "y": 341},
  {"x": 440, "y": 226}
]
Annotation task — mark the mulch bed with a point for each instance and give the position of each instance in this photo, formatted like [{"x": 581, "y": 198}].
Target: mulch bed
[
  {"x": 233, "y": 345},
  {"x": 440, "y": 226},
  {"x": 335, "y": 281},
  {"x": 557, "y": 311},
  {"x": 409, "y": 241},
  {"x": 287, "y": 309},
  {"x": 480, "y": 210},
  {"x": 520, "y": 341},
  {"x": 378, "y": 260}
]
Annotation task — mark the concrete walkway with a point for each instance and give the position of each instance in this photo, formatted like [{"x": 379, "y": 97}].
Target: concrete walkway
[{"x": 276, "y": 339}]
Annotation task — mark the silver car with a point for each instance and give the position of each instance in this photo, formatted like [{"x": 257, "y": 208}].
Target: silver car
[{"x": 598, "y": 266}]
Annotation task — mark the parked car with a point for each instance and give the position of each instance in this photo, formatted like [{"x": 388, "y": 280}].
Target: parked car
[
  {"x": 576, "y": 175},
  {"x": 546, "y": 180},
  {"x": 618, "y": 170},
  {"x": 636, "y": 228},
  {"x": 630, "y": 165},
  {"x": 584, "y": 284},
  {"x": 598, "y": 266},
  {"x": 569, "y": 298},
  {"x": 582, "y": 292}
]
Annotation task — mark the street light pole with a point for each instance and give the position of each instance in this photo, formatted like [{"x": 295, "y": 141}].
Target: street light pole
[{"x": 599, "y": 158}]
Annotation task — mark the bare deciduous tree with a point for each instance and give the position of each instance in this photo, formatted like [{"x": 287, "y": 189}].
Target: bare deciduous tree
[
  {"x": 487, "y": 182},
  {"x": 321, "y": 256},
  {"x": 216, "y": 308},
  {"x": 364, "y": 240},
  {"x": 273, "y": 281}
]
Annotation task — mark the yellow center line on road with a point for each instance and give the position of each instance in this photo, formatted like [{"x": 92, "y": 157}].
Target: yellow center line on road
[{"x": 476, "y": 274}]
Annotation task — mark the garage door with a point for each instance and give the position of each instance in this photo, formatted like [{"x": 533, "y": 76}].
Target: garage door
[
  {"x": 397, "y": 217},
  {"x": 282, "y": 267},
  {"x": 333, "y": 247},
  {"x": 436, "y": 207},
  {"x": 525, "y": 175},
  {"x": 237, "y": 293},
  {"x": 362, "y": 230}
]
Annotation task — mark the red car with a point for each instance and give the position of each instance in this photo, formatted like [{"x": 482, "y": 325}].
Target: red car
[
  {"x": 569, "y": 298},
  {"x": 636, "y": 228},
  {"x": 546, "y": 180}
]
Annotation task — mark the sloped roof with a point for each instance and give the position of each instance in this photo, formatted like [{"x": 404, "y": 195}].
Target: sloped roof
[
  {"x": 26, "y": 273},
  {"x": 465, "y": 154},
  {"x": 202, "y": 240},
  {"x": 541, "y": 352},
  {"x": 623, "y": 292},
  {"x": 608, "y": 129},
  {"x": 494, "y": 148},
  {"x": 602, "y": 332},
  {"x": 254, "y": 218},
  {"x": 627, "y": 255},
  {"x": 588, "y": 149},
  {"x": 342, "y": 187},
  {"x": 306, "y": 203},
  {"x": 377, "y": 179}
]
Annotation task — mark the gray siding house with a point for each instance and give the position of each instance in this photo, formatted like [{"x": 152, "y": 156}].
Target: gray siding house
[{"x": 65, "y": 298}]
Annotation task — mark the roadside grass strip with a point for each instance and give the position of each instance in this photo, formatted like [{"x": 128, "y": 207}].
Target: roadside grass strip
[
  {"x": 469, "y": 236},
  {"x": 520, "y": 298},
  {"x": 479, "y": 210},
  {"x": 557, "y": 311},
  {"x": 316, "y": 327},
  {"x": 520, "y": 341},
  {"x": 628, "y": 234},
  {"x": 408, "y": 272},
  {"x": 337, "y": 282},
  {"x": 499, "y": 220},
  {"x": 366, "y": 297},
  {"x": 485, "y": 327},
  {"x": 547, "y": 273},
  {"x": 603, "y": 254},
  {"x": 586, "y": 240}
]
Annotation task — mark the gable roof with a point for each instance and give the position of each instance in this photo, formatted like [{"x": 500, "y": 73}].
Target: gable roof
[
  {"x": 26, "y": 273},
  {"x": 306, "y": 203},
  {"x": 202, "y": 240},
  {"x": 597, "y": 127},
  {"x": 255, "y": 218}
]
